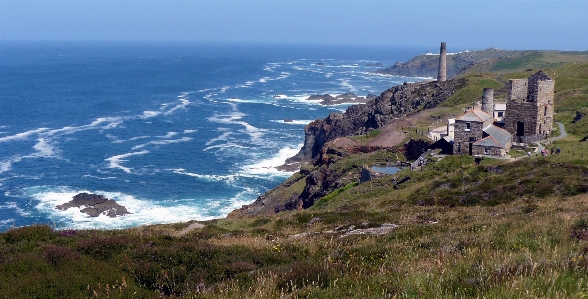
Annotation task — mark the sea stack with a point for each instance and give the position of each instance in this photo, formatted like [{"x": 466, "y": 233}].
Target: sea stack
[{"x": 442, "y": 75}]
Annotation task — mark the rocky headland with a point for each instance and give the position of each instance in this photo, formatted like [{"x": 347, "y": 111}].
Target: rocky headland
[
  {"x": 427, "y": 65},
  {"x": 95, "y": 205},
  {"x": 396, "y": 102},
  {"x": 325, "y": 143}
]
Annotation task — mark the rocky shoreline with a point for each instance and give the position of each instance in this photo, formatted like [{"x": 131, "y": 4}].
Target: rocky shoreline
[{"x": 325, "y": 144}]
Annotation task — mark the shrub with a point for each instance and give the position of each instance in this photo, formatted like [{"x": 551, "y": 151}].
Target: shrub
[
  {"x": 56, "y": 255},
  {"x": 33, "y": 233}
]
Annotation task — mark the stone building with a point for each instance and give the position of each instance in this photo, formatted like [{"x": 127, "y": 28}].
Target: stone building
[
  {"x": 475, "y": 134},
  {"x": 527, "y": 115},
  {"x": 529, "y": 108}
]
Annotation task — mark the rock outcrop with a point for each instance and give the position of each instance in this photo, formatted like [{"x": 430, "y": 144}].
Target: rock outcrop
[
  {"x": 94, "y": 205},
  {"x": 398, "y": 101},
  {"x": 321, "y": 174}
]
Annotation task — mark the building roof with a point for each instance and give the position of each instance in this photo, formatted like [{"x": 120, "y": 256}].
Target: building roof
[
  {"x": 497, "y": 137},
  {"x": 475, "y": 115},
  {"x": 499, "y": 106},
  {"x": 488, "y": 141}
]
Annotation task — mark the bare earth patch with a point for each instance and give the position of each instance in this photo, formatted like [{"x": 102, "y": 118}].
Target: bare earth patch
[{"x": 190, "y": 228}]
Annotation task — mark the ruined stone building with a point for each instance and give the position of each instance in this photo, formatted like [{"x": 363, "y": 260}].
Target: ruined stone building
[
  {"x": 529, "y": 108},
  {"x": 527, "y": 115},
  {"x": 476, "y": 134}
]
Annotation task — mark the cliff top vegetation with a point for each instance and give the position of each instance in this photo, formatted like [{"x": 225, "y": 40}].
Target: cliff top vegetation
[{"x": 496, "y": 229}]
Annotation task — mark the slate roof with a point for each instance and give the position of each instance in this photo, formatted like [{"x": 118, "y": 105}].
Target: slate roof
[
  {"x": 499, "y": 134},
  {"x": 498, "y": 137},
  {"x": 488, "y": 141},
  {"x": 475, "y": 115}
]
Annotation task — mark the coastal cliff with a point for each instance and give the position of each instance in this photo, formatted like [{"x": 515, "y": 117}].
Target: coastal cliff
[
  {"x": 323, "y": 148},
  {"x": 396, "y": 102}
]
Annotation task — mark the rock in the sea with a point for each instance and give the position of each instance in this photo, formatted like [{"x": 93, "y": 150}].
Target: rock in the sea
[
  {"x": 288, "y": 120},
  {"x": 95, "y": 205}
]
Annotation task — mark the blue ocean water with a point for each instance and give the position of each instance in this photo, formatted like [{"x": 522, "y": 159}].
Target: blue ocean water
[{"x": 174, "y": 132}]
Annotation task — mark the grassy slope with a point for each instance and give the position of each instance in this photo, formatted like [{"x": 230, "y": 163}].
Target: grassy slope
[{"x": 452, "y": 240}]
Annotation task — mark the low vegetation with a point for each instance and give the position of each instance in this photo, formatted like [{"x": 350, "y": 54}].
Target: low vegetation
[{"x": 453, "y": 229}]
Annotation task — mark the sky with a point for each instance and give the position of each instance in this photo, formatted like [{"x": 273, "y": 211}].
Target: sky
[{"x": 464, "y": 24}]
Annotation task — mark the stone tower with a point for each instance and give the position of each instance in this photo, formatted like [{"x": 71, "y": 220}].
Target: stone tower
[
  {"x": 442, "y": 75},
  {"x": 488, "y": 101},
  {"x": 530, "y": 107}
]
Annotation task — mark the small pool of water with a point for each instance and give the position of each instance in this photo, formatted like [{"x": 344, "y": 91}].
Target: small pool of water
[{"x": 386, "y": 169}]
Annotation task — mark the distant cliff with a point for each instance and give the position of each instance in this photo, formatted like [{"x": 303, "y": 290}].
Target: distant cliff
[
  {"x": 427, "y": 65},
  {"x": 398, "y": 101}
]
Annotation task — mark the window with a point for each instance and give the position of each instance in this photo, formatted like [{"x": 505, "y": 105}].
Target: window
[
  {"x": 500, "y": 113},
  {"x": 468, "y": 126},
  {"x": 487, "y": 150},
  {"x": 472, "y": 139}
]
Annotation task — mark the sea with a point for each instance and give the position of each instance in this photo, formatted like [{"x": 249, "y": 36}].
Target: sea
[{"x": 172, "y": 131}]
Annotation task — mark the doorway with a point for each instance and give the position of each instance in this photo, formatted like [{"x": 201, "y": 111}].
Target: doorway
[{"x": 520, "y": 128}]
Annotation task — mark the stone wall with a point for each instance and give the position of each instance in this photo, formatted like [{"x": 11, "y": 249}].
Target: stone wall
[
  {"x": 461, "y": 140},
  {"x": 530, "y": 102},
  {"x": 518, "y": 90},
  {"x": 494, "y": 151}
]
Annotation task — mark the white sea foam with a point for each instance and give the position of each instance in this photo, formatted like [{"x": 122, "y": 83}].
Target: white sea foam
[
  {"x": 22, "y": 136},
  {"x": 44, "y": 149},
  {"x": 294, "y": 122},
  {"x": 233, "y": 118},
  {"x": 190, "y": 131},
  {"x": 149, "y": 114},
  {"x": 210, "y": 177},
  {"x": 142, "y": 211},
  {"x": 223, "y": 137},
  {"x": 162, "y": 142},
  {"x": 264, "y": 80},
  {"x": 7, "y": 164},
  {"x": 169, "y": 135},
  {"x": 183, "y": 104},
  {"x": 14, "y": 206},
  {"x": 269, "y": 166},
  {"x": 7, "y": 221},
  {"x": 226, "y": 146},
  {"x": 99, "y": 178},
  {"x": 115, "y": 161}
]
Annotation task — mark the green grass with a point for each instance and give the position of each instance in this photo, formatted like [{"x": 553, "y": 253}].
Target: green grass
[
  {"x": 472, "y": 92},
  {"x": 496, "y": 230}
]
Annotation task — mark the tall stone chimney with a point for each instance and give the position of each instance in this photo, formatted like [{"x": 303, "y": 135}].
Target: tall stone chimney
[
  {"x": 488, "y": 101},
  {"x": 442, "y": 76}
]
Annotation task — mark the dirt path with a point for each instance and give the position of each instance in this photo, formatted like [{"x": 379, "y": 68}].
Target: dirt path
[{"x": 190, "y": 228}]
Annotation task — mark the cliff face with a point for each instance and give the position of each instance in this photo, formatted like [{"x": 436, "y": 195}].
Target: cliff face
[
  {"x": 332, "y": 167},
  {"x": 396, "y": 102}
]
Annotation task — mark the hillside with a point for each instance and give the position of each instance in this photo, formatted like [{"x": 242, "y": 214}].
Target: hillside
[
  {"x": 482, "y": 61},
  {"x": 501, "y": 229}
]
